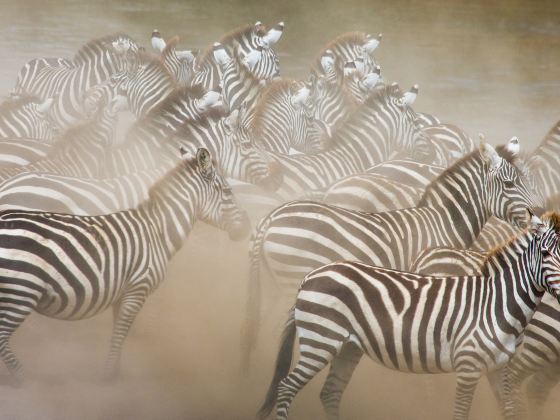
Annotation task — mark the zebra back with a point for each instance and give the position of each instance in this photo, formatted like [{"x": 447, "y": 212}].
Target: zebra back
[{"x": 21, "y": 152}]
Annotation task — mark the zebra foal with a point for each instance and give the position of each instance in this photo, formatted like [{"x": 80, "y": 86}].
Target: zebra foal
[
  {"x": 74, "y": 267},
  {"x": 414, "y": 323}
]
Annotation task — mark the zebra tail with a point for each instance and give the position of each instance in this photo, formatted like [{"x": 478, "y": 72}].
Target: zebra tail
[
  {"x": 283, "y": 364},
  {"x": 250, "y": 330}
]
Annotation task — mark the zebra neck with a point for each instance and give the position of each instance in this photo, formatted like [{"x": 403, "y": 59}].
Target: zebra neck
[
  {"x": 460, "y": 197},
  {"x": 173, "y": 207},
  {"x": 515, "y": 284}
]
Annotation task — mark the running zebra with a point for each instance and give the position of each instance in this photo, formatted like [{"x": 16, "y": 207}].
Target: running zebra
[
  {"x": 149, "y": 143},
  {"x": 67, "y": 81},
  {"x": 247, "y": 40},
  {"x": 239, "y": 84},
  {"x": 414, "y": 323},
  {"x": 346, "y": 48},
  {"x": 381, "y": 126},
  {"x": 179, "y": 63},
  {"x": 73, "y": 267},
  {"x": 26, "y": 117},
  {"x": 282, "y": 120},
  {"x": 537, "y": 360},
  {"x": 303, "y": 235}
]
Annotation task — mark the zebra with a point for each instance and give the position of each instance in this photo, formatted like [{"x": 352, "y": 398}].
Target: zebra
[
  {"x": 358, "y": 83},
  {"x": 382, "y": 125},
  {"x": 74, "y": 267},
  {"x": 148, "y": 144},
  {"x": 179, "y": 63},
  {"x": 537, "y": 358},
  {"x": 347, "y": 48},
  {"x": 26, "y": 117},
  {"x": 81, "y": 149},
  {"x": 249, "y": 38},
  {"x": 414, "y": 323},
  {"x": 239, "y": 84},
  {"x": 282, "y": 121},
  {"x": 94, "y": 62},
  {"x": 300, "y": 236}
]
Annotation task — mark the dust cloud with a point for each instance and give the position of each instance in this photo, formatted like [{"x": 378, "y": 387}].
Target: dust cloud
[{"x": 485, "y": 66}]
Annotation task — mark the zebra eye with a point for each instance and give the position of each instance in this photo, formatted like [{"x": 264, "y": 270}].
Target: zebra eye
[{"x": 509, "y": 184}]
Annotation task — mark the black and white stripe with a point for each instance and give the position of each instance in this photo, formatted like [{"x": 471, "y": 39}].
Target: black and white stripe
[
  {"x": 26, "y": 117},
  {"x": 414, "y": 323},
  {"x": 74, "y": 267},
  {"x": 301, "y": 236},
  {"x": 67, "y": 81}
]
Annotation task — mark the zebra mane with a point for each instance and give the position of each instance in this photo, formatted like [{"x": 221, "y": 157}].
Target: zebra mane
[
  {"x": 226, "y": 40},
  {"x": 103, "y": 43},
  {"x": 269, "y": 95},
  {"x": 458, "y": 167},
  {"x": 16, "y": 102},
  {"x": 170, "y": 45},
  {"x": 183, "y": 164},
  {"x": 186, "y": 93},
  {"x": 552, "y": 217}
]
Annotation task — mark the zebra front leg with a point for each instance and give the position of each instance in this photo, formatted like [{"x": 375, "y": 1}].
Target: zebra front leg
[
  {"x": 124, "y": 313},
  {"x": 539, "y": 387},
  {"x": 466, "y": 385},
  {"x": 342, "y": 368}
]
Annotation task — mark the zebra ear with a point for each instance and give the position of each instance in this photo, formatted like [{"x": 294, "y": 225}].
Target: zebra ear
[
  {"x": 274, "y": 34},
  {"x": 489, "y": 154},
  {"x": 513, "y": 146},
  {"x": 536, "y": 224},
  {"x": 410, "y": 96},
  {"x": 204, "y": 161},
  {"x": 372, "y": 42}
]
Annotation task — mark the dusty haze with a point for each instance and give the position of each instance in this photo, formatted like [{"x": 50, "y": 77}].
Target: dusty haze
[{"x": 491, "y": 68}]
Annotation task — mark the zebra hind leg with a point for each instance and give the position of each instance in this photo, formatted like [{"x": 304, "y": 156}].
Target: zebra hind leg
[
  {"x": 10, "y": 319},
  {"x": 311, "y": 361},
  {"x": 342, "y": 368},
  {"x": 539, "y": 387},
  {"x": 466, "y": 385},
  {"x": 124, "y": 313}
]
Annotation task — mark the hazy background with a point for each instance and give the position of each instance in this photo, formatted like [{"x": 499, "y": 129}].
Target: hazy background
[{"x": 489, "y": 66}]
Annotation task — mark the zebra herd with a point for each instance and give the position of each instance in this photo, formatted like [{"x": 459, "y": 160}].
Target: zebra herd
[{"x": 395, "y": 234}]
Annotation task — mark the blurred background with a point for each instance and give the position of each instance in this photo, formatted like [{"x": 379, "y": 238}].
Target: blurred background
[{"x": 486, "y": 66}]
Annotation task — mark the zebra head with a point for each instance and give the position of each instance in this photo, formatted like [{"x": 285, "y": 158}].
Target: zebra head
[
  {"x": 393, "y": 112},
  {"x": 102, "y": 94},
  {"x": 218, "y": 206},
  {"x": 507, "y": 189},
  {"x": 547, "y": 251},
  {"x": 241, "y": 159}
]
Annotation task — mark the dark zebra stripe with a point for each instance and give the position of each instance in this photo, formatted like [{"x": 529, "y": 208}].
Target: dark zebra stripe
[
  {"x": 74, "y": 267},
  {"x": 415, "y": 323}
]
